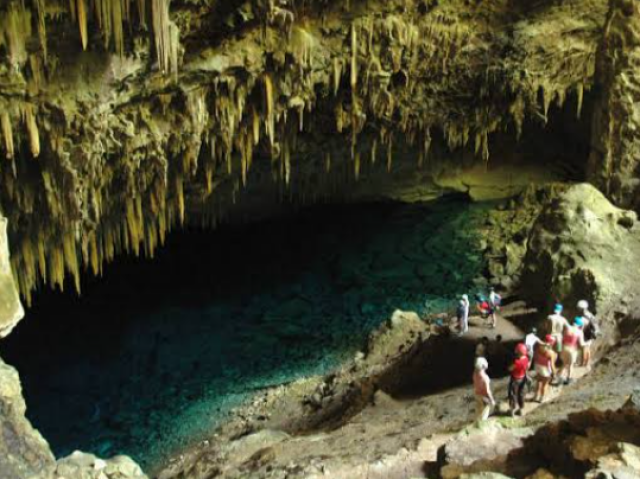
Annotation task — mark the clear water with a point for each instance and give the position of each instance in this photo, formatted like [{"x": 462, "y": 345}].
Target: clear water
[{"x": 155, "y": 354}]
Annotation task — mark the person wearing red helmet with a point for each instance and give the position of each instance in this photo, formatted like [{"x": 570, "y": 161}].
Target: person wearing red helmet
[
  {"x": 518, "y": 380},
  {"x": 544, "y": 359}
]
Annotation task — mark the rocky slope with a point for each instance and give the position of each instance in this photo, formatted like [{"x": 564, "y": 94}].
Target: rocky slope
[{"x": 122, "y": 119}]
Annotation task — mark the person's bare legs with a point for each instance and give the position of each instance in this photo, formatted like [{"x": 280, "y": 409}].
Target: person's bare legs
[
  {"x": 545, "y": 385},
  {"x": 586, "y": 356}
]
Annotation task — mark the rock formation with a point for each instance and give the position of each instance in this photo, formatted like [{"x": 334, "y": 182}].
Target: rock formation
[
  {"x": 123, "y": 119},
  {"x": 580, "y": 248},
  {"x": 24, "y": 453},
  {"x": 10, "y": 307}
]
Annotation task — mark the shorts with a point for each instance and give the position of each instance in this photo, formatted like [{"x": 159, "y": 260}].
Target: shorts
[
  {"x": 569, "y": 356},
  {"x": 543, "y": 371},
  {"x": 558, "y": 344}
]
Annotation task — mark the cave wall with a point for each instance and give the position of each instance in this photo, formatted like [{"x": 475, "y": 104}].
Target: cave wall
[
  {"x": 122, "y": 119},
  {"x": 10, "y": 307},
  {"x": 614, "y": 164}
]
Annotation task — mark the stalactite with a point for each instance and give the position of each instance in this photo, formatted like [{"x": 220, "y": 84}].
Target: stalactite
[
  {"x": 374, "y": 151},
  {"x": 337, "y": 75},
  {"x": 389, "y": 153},
  {"x": 180, "y": 198},
  {"x": 256, "y": 126},
  {"x": 32, "y": 129},
  {"x": 7, "y": 133},
  {"x": 41, "y": 8},
  {"x": 165, "y": 36},
  {"x": 356, "y": 166},
  {"x": 270, "y": 126},
  {"x": 354, "y": 57},
  {"x": 81, "y": 10},
  {"x": 580, "y": 93}
]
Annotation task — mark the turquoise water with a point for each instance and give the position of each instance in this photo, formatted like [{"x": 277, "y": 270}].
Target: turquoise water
[{"x": 155, "y": 354}]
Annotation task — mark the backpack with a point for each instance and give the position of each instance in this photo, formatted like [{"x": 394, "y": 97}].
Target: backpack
[{"x": 590, "y": 332}]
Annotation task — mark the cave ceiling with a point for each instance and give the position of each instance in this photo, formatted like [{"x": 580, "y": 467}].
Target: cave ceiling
[{"x": 122, "y": 119}]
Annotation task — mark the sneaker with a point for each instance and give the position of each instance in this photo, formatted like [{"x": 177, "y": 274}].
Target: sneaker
[{"x": 519, "y": 412}]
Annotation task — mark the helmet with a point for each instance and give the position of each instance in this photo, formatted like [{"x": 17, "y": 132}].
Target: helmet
[
  {"x": 579, "y": 321},
  {"x": 465, "y": 297},
  {"x": 583, "y": 304},
  {"x": 550, "y": 340},
  {"x": 534, "y": 331},
  {"x": 521, "y": 349},
  {"x": 558, "y": 308},
  {"x": 481, "y": 363}
]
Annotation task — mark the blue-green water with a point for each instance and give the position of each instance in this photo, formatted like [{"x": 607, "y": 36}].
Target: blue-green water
[{"x": 153, "y": 355}]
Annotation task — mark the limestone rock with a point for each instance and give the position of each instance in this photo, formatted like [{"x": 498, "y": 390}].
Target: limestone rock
[
  {"x": 10, "y": 307},
  {"x": 80, "y": 465},
  {"x": 580, "y": 248},
  {"x": 23, "y": 451},
  {"x": 481, "y": 449}
]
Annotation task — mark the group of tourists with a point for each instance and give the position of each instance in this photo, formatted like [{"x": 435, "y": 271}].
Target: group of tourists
[
  {"x": 487, "y": 307},
  {"x": 551, "y": 359}
]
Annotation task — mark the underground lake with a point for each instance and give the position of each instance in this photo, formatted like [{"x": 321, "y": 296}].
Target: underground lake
[{"x": 155, "y": 354}]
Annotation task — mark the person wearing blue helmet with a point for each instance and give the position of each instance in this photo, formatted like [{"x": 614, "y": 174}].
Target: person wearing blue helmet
[
  {"x": 555, "y": 325},
  {"x": 572, "y": 342}
]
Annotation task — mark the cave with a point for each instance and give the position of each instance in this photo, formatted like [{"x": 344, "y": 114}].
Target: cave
[
  {"x": 155, "y": 353},
  {"x": 235, "y": 237}
]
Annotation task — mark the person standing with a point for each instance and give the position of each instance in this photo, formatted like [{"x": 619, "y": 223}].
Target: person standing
[
  {"x": 590, "y": 330},
  {"x": 555, "y": 326},
  {"x": 495, "y": 300},
  {"x": 482, "y": 390},
  {"x": 518, "y": 380},
  {"x": 463, "y": 314},
  {"x": 572, "y": 340},
  {"x": 530, "y": 341},
  {"x": 544, "y": 360}
]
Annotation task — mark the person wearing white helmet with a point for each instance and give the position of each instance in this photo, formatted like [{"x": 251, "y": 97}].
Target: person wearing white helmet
[
  {"x": 590, "y": 330},
  {"x": 482, "y": 390},
  {"x": 463, "y": 314},
  {"x": 495, "y": 301}
]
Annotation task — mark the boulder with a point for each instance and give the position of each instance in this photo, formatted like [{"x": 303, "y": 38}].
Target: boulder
[
  {"x": 480, "y": 449},
  {"x": 395, "y": 337},
  {"x": 581, "y": 247},
  {"x": 80, "y": 465}
]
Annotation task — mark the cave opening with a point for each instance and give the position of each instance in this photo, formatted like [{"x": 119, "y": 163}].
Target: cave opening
[{"x": 154, "y": 354}]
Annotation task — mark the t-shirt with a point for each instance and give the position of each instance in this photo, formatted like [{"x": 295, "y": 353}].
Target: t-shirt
[
  {"x": 530, "y": 341},
  {"x": 572, "y": 337},
  {"x": 520, "y": 367},
  {"x": 557, "y": 323},
  {"x": 494, "y": 299},
  {"x": 481, "y": 383}
]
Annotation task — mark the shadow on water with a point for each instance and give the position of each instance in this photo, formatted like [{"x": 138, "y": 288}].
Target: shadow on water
[{"x": 155, "y": 353}]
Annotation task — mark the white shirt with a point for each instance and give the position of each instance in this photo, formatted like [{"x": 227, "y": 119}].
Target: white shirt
[{"x": 530, "y": 341}]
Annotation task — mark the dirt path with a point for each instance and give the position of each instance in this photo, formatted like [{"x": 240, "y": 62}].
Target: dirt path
[{"x": 395, "y": 436}]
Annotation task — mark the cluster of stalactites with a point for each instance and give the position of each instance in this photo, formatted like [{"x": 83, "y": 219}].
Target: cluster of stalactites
[
  {"x": 225, "y": 123},
  {"x": 110, "y": 17},
  {"x": 23, "y": 114}
]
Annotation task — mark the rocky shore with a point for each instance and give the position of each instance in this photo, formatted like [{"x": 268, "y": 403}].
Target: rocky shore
[{"x": 363, "y": 421}]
